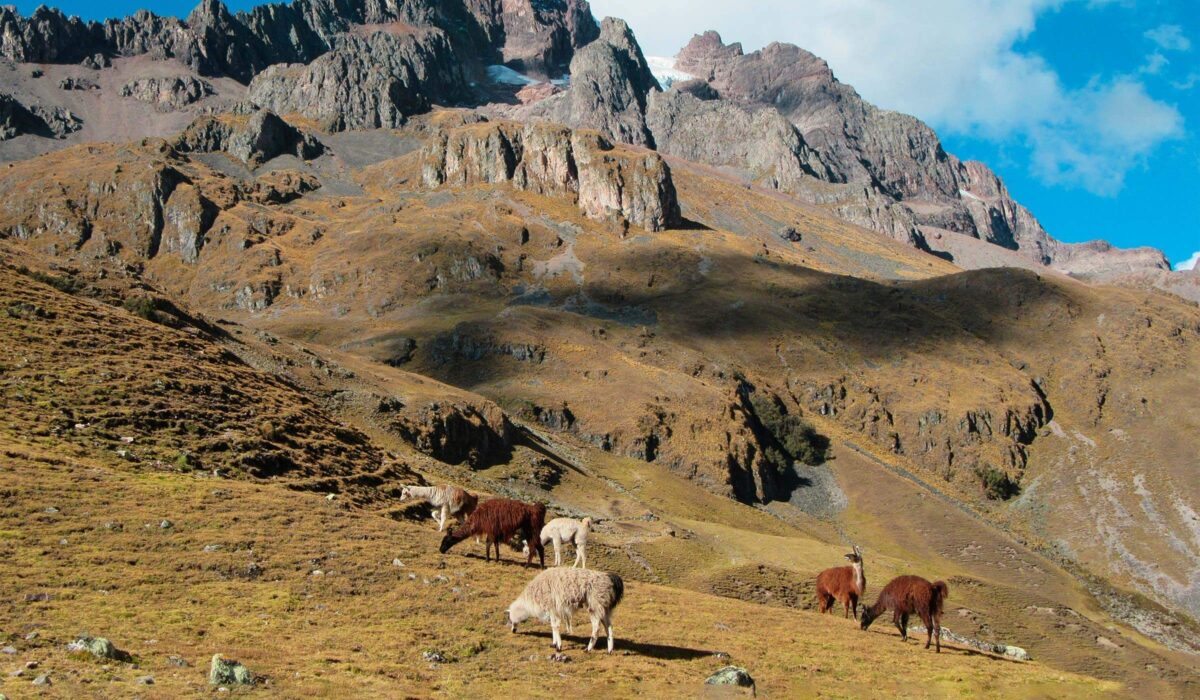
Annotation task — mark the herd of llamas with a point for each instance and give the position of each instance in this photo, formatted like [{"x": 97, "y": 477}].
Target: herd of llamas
[{"x": 556, "y": 594}]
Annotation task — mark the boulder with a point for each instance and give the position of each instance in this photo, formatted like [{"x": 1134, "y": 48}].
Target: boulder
[
  {"x": 99, "y": 647},
  {"x": 225, "y": 672},
  {"x": 733, "y": 676}
]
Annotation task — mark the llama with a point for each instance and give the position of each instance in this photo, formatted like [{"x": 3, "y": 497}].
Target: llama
[
  {"x": 555, "y": 595},
  {"x": 905, "y": 595},
  {"x": 446, "y": 501},
  {"x": 497, "y": 521},
  {"x": 561, "y": 530},
  {"x": 844, "y": 584}
]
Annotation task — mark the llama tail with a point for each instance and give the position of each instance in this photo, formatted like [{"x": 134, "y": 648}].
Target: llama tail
[
  {"x": 940, "y": 593},
  {"x": 618, "y": 587}
]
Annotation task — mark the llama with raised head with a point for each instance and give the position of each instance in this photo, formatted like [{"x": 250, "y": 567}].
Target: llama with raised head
[
  {"x": 908, "y": 595},
  {"x": 498, "y": 521},
  {"x": 555, "y": 594},
  {"x": 562, "y": 530},
  {"x": 843, "y": 584},
  {"x": 446, "y": 501}
]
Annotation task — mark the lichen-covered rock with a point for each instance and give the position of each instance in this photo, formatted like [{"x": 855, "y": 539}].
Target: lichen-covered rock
[
  {"x": 50, "y": 122},
  {"x": 540, "y": 37},
  {"x": 225, "y": 672},
  {"x": 731, "y": 675},
  {"x": 98, "y": 647},
  {"x": 366, "y": 82},
  {"x": 168, "y": 93},
  {"x": 252, "y": 139},
  {"x": 605, "y": 180}
]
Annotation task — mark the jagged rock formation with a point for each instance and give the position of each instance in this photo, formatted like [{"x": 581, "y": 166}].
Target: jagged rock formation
[
  {"x": 544, "y": 33},
  {"x": 610, "y": 83},
  {"x": 605, "y": 180},
  {"x": 904, "y": 184},
  {"x": 252, "y": 139},
  {"x": 366, "y": 82},
  {"x": 168, "y": 93}
]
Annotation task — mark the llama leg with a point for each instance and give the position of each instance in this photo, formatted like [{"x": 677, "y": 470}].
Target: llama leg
[
  {"x": 937, "y": 626},
  {"x": 846, "y": 608},
  {"x": 557, "y": 550},
  {"x": 444, "y": 518},
  {"x": 595, "y": 632},
  {"x": 541, "y": 550},
  {"x": 904, "y": 627},
  {"x": 854, "y": 605},
  {"x": 554, "y": 635},
  {"x": 928, "y": 621},
  {"x": 608, "y": 626},
  {"x": 581, "y": 554}
]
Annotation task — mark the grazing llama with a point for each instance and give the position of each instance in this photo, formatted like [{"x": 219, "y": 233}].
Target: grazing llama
[
  {"x": 906, "y": 595},
  {"x": 561, "y": 530},
  {"x": 446, "y": 501},
  {"x": 497, "y": 521},
  {"x": 844, "y": 584},
  {"x": 555, "y": 595}
]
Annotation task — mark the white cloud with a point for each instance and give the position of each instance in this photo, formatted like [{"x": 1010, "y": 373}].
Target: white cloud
[
  {"x": 953, "y": 63},
  {"x": 1169, "y": 37},
  {"x": 1190, "y": 263},
  {"x": 1154, "y": 64}
]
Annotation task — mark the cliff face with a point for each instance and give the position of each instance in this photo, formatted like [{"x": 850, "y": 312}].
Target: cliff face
[{"x": 606, "y": 181}]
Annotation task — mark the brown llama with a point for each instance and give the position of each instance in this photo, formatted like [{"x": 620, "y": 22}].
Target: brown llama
[
  {"x": 497, "y": 521},
  {"x": 906, "y": 595},
  {"x": 844, "y": 584}
]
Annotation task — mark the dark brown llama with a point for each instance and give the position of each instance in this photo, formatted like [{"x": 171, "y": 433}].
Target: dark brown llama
[
  {"x": 497, "y": 521},
  {"x": 906, "y": 595},
  {"x": 844, "y": 584}
]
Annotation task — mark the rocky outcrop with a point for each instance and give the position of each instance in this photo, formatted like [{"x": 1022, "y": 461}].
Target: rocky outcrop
[
  {"x": 252, "y": 139},
  {"x": 541, "y": 37},
  {"x": 605, "y": 180},
  {"x": 51, "y": 122},
  {"x": 458, "y": 433},
  {"x": 168, "y": 94},
  {"x": 899, "y": 180},
  {"x": 610, "y": 83},
  {"x": 366, "y": 82}
]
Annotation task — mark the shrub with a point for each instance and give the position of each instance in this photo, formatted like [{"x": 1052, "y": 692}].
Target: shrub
[
  {"x": 996, "y": 484},
  {"x": 145, "y": 307},
  {"x": 800, "y": 440}
]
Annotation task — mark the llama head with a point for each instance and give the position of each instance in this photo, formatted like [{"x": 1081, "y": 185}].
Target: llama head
[
  {"x": 855, "y": 557},
  {"x": 405, "y": 494},
  {"x": 518, "y": 612},
  {"x": 868, "y": 616},
  {"x": 587, "y": 523},
  {"x": 450, "y": 540}
]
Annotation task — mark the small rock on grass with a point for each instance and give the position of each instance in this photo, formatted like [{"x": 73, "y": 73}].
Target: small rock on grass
[
  {"x": 226, "y": 672},
  {"x": 99, "y": 647},
  {"x": 145, "y": 680},
  {"x": 179, "y": 661},
  {"x": 731, "y": 675},
  {"x": 43, "y": 679},
  {"x": 8, "y": 650}
]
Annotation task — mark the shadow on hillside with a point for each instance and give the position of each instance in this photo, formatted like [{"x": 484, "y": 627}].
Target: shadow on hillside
[{"x": 665, "y": 652}]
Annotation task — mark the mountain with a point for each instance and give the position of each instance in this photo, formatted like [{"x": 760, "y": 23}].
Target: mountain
[{"x": 741, "y": 322}]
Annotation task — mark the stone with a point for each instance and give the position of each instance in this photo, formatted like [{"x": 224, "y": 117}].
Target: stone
[
  {"x": 99, "y": 647},
  {"x": 77, "y": 84},
  {"x": 43, "y": 679},
  {"x": 166, "y": 525},
  {"x": 731, "y": 675},
  {"x": 8, "y": 650},
  {"x": 178, "y": 661},
  {"x": 224, "y": 672},
  {"x": 145, "y": 680},
  {"x": 433, "y": 656}
]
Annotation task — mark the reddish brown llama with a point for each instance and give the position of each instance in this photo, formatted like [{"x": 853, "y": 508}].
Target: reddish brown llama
[
  {"x": 844, "y": 584},
  {"x": 906, "y": 595},
  {"x": 497, "y": 521}
]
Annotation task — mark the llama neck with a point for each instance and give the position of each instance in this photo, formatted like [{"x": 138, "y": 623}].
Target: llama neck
[{"x": 860, "y": 578}]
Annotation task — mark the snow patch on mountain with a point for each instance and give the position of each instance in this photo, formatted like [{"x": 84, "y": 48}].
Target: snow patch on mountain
[{"x": 664, "y": 71}]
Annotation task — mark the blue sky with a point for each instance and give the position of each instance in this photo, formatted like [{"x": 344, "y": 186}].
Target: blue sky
[{"x": 1089, "y": 109}]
